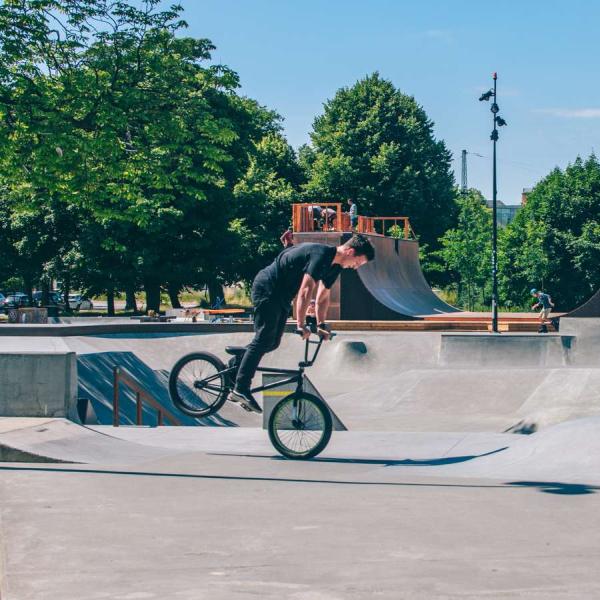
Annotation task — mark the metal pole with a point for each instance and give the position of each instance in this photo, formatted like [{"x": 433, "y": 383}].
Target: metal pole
[
  {"x": 494, "y": 219},
  {"x": 116, "y": 397}
]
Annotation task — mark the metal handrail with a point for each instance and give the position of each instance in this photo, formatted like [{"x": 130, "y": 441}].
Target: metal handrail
[{"x": 122, "y": 375}]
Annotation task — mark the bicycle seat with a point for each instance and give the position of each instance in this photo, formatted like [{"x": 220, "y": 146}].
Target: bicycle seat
[{"x": 235, "y": 350}]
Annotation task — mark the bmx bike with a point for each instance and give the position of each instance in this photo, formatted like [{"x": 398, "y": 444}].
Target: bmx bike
[{"x": 300, "y": 424}]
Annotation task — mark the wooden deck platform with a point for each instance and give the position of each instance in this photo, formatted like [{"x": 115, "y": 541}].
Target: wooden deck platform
[{"x": 472, "y": 324}]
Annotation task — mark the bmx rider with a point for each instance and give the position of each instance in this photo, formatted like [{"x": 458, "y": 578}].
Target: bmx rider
[{"x": 299, "y": 270}]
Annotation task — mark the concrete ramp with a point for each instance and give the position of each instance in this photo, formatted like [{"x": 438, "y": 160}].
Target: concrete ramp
[
  {"x": 564, "y": 452},
  {"x": 60, "y": 440},
  {"x": 95, "y": 375},
  {"x": 563, "y": 395}
]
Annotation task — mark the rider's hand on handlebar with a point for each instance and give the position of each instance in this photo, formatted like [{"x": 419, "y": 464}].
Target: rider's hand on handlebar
[
  {"x": 323, "y": 331},
  {"x": 304, "y": 332}
]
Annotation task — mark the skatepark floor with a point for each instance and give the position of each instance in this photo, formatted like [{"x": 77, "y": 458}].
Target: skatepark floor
[
  {"x": 214, "y": 513},
  {"x": 428, "y": 495}
]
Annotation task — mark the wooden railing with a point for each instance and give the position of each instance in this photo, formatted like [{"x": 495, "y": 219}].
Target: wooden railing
[
  {"x": 303, "y": 217},
  {"x": 121, "y": 375},
  {"x": 373, "y": 224}
]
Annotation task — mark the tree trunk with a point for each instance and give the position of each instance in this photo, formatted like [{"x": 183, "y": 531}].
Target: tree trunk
[
  {"x": 110, "y": 302},
  {"x": 66, "y": 290},
  {"x": 45, "y": 291},
  {"x": 130, "y": 302},
  {"x": 215, "y": 291},
  {"x": 152, "y": 289},
  {"x": 173, "y": 291},
  {"x": 28, "y": 287}
]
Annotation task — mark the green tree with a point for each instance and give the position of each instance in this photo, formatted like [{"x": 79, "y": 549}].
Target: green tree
[
  {"x": 552, "y": 243},
  {"x": 264, "y": 196},
  {"x": 376, "y": 144},
  {"x": 121, "y": 147},
  {"x": 466, "y": 249}
]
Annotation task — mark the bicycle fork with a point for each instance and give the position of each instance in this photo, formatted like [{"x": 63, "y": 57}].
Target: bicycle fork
[{"x": 297, "y": 412}]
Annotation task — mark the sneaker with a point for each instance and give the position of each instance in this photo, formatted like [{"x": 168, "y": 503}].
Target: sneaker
[{"x": 245, "y": 400}]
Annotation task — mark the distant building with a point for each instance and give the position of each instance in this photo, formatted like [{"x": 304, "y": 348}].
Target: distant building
[
  {"x": 524, "y": 194},
  {"x": 505, "y": 212}
]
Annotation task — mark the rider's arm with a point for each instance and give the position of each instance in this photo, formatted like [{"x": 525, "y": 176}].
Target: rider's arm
[
  {"x": 322, "y": 303},
  {"x": 305, "y": 293}
]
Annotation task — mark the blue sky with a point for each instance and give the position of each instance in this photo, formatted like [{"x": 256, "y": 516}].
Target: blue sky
[{"x": 293, "y": 55}]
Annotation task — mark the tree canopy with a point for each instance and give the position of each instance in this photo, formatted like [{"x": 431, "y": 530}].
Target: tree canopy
[
  {"x": 376, "y": 144},
  {"x": 554, "y": 242}
]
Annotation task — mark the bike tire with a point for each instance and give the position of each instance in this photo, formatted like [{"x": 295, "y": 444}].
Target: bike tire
[
  {"x": 184, "y": 376},
  {"x": 290, "y": 436}
]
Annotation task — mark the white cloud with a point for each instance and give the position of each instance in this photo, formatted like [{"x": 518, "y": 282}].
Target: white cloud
[{"x": 571, "y": 113}]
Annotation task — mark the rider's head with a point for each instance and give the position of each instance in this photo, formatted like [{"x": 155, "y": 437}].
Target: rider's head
[{"x": 355, "y": 252}]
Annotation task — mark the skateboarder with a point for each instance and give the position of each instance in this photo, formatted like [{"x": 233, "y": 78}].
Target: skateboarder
[
  {"x": 545, "y": 302},
  {"x": 298, "y": 271}
]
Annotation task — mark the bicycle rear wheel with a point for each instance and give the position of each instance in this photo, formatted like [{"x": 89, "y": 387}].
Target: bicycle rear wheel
[
  {"x": 300, "y": 426},
  {"x": 198, "y": 384}
]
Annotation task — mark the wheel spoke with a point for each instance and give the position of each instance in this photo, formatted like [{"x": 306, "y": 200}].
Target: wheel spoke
[
  {"x": 299, "y": 426},
  {"x": 200, "y": 386}
]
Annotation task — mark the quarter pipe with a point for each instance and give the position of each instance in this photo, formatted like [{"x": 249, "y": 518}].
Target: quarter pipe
[
  {"x": 589, "y": 309},
  {"x": 390, "y": 288}
]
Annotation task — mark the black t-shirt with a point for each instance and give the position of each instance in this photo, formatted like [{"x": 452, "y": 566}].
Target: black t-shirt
[{"x": 281, "y": 280}]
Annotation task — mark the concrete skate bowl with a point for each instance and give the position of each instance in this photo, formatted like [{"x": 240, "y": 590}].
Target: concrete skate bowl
[
  {"x": 390, "y": 287},
  {"x": 389, "y": 381},
  {"x": 397, "y": 383}
]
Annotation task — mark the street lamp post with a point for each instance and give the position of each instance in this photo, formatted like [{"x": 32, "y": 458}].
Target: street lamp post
[{"x": 498, "y": 122}]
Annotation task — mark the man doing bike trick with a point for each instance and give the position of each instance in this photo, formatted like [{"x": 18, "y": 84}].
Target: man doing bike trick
[{"x": 299, "y": 270}]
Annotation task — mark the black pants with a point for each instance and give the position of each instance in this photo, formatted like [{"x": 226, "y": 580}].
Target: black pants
[{"x": 270, "y": 316}]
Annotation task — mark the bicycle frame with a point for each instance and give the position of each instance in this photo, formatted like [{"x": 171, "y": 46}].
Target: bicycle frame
[{"x": 295, "y": 375}]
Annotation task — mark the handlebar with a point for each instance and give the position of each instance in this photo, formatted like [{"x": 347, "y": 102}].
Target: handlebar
[{"x": 306, "y": 362}]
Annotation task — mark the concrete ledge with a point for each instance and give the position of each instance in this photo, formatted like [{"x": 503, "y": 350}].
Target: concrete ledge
[
  {"x": 38, "y": 384},
  {"x": 135, "y": 327},
  {"x": 509, "y": 350},
  {"x": 586, "y": 332}
]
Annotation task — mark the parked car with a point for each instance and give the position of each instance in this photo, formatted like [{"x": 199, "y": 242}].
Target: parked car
[
  {"x": 55, "y": 299},
  {"x": 15, "y": 300},
  {"x": 80, "y": 302}
]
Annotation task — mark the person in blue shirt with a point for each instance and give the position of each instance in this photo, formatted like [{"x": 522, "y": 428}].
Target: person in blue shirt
[{"x": 545, "y": 302}]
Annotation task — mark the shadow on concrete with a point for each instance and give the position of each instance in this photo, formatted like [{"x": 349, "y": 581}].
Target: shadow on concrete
[
  {"x": 145, "y": 334},
  {"x": 383, "y": 462},
  {"x": 562, "y": 488},
  {"x": 95, "y": 376},
  {"x": 245, "y": 478},
  {"x": 556, "y": 487}
]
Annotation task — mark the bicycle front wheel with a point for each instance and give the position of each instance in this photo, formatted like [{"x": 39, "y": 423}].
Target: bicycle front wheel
[
  {"x": 300, "y": 426},
  {"x": 198, "y": 384}
]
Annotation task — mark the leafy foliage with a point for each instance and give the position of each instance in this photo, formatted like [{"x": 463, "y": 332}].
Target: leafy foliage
[
  {"x": 554, "y": 241},
  {"x": 467, "y": 249},
  {"x": 376, "y": 144}
]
